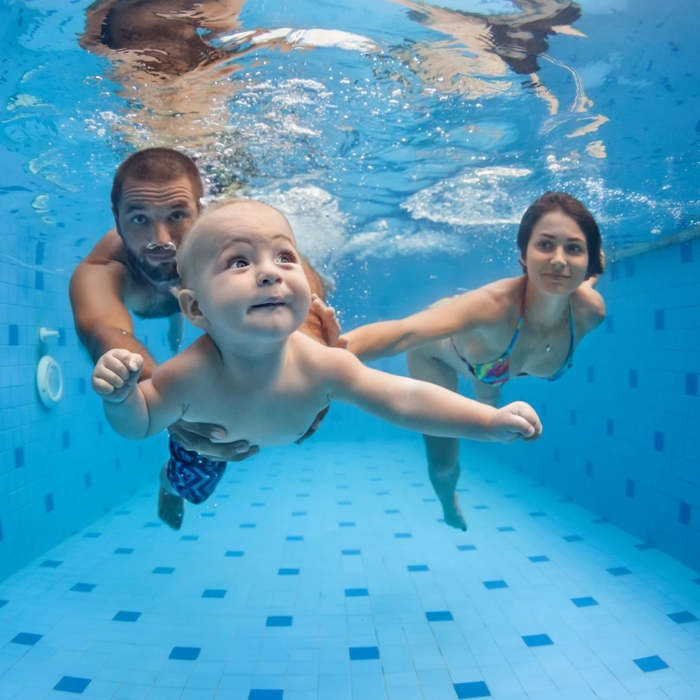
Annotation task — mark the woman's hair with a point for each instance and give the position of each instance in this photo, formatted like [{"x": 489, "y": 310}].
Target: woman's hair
[
  {"x": 156, "y": 165},
  {"x": 565, "y": 203}
]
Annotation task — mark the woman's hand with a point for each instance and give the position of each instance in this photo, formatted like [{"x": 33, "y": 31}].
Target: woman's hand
[
  {"x": 330, "y": 327},
  {"x": 209, "y": 441}
]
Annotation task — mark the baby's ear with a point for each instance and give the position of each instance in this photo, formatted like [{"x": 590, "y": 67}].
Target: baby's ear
[{"x": 190, "y": 307}]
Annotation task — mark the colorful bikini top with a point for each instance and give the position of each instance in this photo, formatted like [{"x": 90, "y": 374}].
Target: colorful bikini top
[{"x": 498, "y": 371}]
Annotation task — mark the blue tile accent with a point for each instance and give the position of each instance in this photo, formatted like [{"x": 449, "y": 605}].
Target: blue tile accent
[
  {"x": 344, "y": 503},
  {"x": 234, "y": 553},
  {"x": 658, "y": 441},
  {"x": 65, "y": 439},
  {"x": 51, "y": 563},
  {"x": 589, "y": 468},
  {"x": 279, "y": 621},
  {"x": 619, "y": 571},
  {"x": 48, "y": 502},
  {"x": 346, "y": 523},
  {"x": 651, "y": 663},
  {"x": 363, "y": 653},
  {"x": 298, "y": 513},
  {"x": 538, "y": 514},
  {"x": 185, "y": 653},
  {"x": 206, "y": 514},
  {"x": 633, "y": 378},
  {"x": 392, "y": 511},
  {"x": 92, "y": 534},
  {"x": 27, "y": 638},
  {"x": 247, "y": 526},
  {"x": 19, "y": 457},
  {"x": 466, "y": 547},
  {"x": 214, "y": 593},
  {"x": 573, "y": 538},
  {"x": 691, "y": 384},
  {"x": 88, "y": 480},
  {"x": 295, "y": 538},
  {"x": 356, "y": 592},
  {"x": 538, "y": 558},
  {"x": 506, "y": 528},
  {"x": 629, "y": 267},
  {"x": 3, "y": 603},
  {"x": 256, "y": 694},
  {"x": 82, "y": 385},
  {"x": 124, "y": 550},
  {"x": 498, "y": 583},
  {"x": 609, "y": 324},
  {"x": 682, "y": 617},
  {"x": 83, "y": 587},
  {"x": 684, "y": 513},
  {"x": 584, "y": 602},
  {"x": 13, "y": 334},
  {"x": 164, "y": 570},
  {"x": 609, "y": 427},
  {"x": 474, "y": 689},
  {"x": 189, "y": 538},
  {"x": 590, "y": 374},
  {"x": 439, "y": 616},
  {"x": 417, "y": 567},
  {"x": 403, "y": 535},
  {"x": 126, "y": 616},
  {"x": 659, "y": 320},
  {"x": 481, "y": 507},
  {"x": 686, "y": 249},
  {"x": 288, "y": 572},
  {"x": 72, "y": 684},
  {"x": 629, "y": 488},
  {"x": 537, "y": 640},
  {"x": 350, "y": 552}
]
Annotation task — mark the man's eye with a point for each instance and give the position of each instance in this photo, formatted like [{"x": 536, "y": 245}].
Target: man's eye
[
  {"x": 286, "y": 257},
  {"x": 139, "y": 219},
  {"x": 238, "y": 262}
]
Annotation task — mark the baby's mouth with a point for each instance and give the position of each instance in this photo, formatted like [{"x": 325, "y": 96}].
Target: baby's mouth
[{"x": 269, "y": 304}]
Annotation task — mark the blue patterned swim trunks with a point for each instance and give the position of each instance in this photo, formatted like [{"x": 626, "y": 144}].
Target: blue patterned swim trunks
[{"x": 193, "y": 476}]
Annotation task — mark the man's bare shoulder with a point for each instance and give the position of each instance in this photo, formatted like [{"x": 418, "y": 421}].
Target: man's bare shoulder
[{"x": 109, "y": 249}]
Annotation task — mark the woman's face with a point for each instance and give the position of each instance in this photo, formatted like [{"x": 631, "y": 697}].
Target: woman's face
[{"x": 556, "y": 256}]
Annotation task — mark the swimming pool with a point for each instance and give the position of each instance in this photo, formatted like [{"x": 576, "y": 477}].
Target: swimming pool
[{"x": 404, "y": 150}]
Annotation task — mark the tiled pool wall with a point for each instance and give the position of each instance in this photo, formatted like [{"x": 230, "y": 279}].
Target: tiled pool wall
[{"x": 620, "y": 434}]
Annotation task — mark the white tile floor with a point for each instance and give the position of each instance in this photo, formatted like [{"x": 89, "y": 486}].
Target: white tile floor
[{"x": 322, "y": 572}]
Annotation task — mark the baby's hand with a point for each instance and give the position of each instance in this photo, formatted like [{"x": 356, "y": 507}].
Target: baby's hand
[
  {"x": 116, "y": 373},
  {"x": 516, "y": 420}
]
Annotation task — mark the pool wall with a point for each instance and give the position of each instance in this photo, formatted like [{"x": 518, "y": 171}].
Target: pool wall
[{"x": 620, "y": 435}]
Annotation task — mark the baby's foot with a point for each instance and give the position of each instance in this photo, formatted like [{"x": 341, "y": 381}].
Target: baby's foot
[{"x": 171, "y": 507}]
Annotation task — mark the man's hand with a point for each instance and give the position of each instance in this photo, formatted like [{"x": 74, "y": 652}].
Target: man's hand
[
  {"x": 116, "y": 374},
  {"x": 209, "y": 441},
  {"x": 330, "y": 327}
]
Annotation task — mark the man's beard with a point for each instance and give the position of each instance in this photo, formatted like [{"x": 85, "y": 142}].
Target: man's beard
[{"x": 159, "y": 274}]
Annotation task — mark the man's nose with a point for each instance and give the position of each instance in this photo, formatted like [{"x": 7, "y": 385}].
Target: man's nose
[{"x": 161, "y": 233}]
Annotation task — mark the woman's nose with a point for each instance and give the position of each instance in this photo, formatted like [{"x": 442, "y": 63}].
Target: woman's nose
[{"x": 558, "y": 257}]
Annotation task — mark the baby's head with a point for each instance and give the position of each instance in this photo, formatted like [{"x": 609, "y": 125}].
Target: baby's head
[{"x": 241, "y": 273}]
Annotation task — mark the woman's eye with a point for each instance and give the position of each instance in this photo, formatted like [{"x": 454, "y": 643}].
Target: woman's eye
[
  {"x": 576, "y": 249},
  {"x": 545, "y": 245}
]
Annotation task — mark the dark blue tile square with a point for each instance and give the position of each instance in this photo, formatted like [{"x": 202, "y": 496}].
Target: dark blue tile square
[
  {"x": 72, "y": 684},
  {"x": 83, "y": 587},
  {"x": 92, "y": 534},
  {"x": 208, "y": 514},
  {"x": 356, "y": 592},
  {"x": 214, "y": 593},
  {"x": 682, "y": 617},
  {"x": 257, "y": 504},
  {"x": 691, "y": 384},
  {"x": 609, "y": 427},
  {"x": 619, "y": 571},
  {"x": 124, "y": 550},
  {"x": 633, "y": 379},
  {"x": 403, "y": 535},
  {"x": 383, "y": 493},
  {"x": 538, "y": 558},
  {"x": 658, "y": 441},
  {"x": 590, "y": 374},
  {"x": 19, "y": 457},
  {"x": 298, "y": 513},
  {"x": 65, "y": 439},
  {"x": 288, "y": 572},
  {"x": 481, "y": 506},
  {"x": 234, "y": 553},
  {"x": 344, "y": 503},
  {"x": 392, "y": 511},
  {"x": 498, "y": 583},
  {"x": 537, "y": 640},
  {"x": 346, "y": 523},
  {"x": 475, "y": 689},
  {"x": 247, "y": 526},
  {"x": 573, "y": 538},
  {"x": 185, "y": 653},
  {"x": 584, "y": 602},
  {"x": 13, "y": 334},
  {"x": 256, "y": 694},
  {"x": 684, "y": 513},
  {"x": 295, "y": 538},
  {"x": 629, "y": 488},
  {"x": 350, "y": 552},
  {"x": 27, "y": 638},
  {"x": 48, "y": 502},
  {"x": 164, "y": 570},
  {"x": 466, "y": 547},
  {"x": 279, "y": 621},
  {"x": 363, "y": 653},
  {"x": 439, "y": 616},
  {"x": 538, "y": 514},
  {"x": 189, "y": 538},
  {"x": 651, "y": 663},
  {"x": 3, "y": 603},
  {"x": 659, "y": 320},
  {"x": 51, "y": 563},
  {"x": 153, "y": 523},
  {"x": 126, "y": 616},
  {"x": 506, "y": 528},
  {"x": 686, "y": 251},
  {"x": 417, "y": 567}
]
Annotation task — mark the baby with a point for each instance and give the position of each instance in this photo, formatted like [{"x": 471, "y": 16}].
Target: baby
[{"x": 252, "y": 371}]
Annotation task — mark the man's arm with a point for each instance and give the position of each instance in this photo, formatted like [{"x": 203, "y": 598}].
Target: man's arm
[{"x": 101, "y": 318}]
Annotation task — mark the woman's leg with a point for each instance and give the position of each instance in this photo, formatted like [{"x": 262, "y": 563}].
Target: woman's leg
[{"x": 442, "y": 453}]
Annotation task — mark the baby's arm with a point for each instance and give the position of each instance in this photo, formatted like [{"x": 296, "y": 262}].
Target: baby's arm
[
  {"x": 138, "y": 409},
  {"x": 425, "y": 407}
]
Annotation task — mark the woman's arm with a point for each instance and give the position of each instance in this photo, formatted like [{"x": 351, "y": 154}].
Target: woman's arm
[{"x": 449, "y": 317}]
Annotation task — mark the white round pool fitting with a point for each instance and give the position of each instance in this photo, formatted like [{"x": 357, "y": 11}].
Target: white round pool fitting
[{"x": 49, "y": 381}]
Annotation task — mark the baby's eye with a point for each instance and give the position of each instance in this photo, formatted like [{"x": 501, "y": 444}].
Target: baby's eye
[
  {"x": 286, "y": 256},
  {"x": 238, "y": 262}
]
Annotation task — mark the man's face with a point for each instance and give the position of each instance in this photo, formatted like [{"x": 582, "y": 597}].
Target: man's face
[{"x": 152, "y": 219}]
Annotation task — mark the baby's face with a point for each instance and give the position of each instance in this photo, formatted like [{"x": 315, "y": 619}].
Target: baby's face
[{"x": 246, "y": 272}]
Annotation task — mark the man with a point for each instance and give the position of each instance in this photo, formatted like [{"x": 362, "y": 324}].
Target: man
[{"x": 155, "y": 199}]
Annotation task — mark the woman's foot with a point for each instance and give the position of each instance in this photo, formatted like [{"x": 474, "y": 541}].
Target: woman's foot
[{"x": 444, "y": 483}]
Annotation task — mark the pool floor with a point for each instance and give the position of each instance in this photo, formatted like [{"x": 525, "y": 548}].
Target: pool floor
[{"x": 322, "y": 572}]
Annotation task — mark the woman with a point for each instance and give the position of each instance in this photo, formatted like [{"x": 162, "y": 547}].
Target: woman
[{"x": 527, "y": 325}]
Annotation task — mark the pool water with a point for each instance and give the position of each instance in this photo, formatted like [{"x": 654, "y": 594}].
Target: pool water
[{"x": 404, "y": 140}]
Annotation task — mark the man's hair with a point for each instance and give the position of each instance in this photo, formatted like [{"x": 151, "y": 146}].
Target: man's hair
[
  {"x": 156, "y": 165},
  {"x": 565, "y": 203}
]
